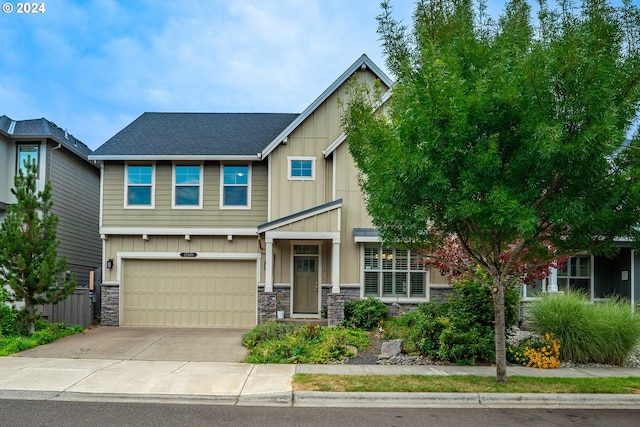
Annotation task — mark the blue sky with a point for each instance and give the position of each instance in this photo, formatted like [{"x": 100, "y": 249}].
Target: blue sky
[{"x": 94, "y": 66}]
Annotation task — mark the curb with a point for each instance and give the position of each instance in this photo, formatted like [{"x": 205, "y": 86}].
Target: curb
[
  {"x": 465, "y": 400},
  {"x": 317, "y": 399}
]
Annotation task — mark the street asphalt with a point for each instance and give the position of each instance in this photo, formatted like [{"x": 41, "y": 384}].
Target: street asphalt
[{"x": 205, "y": 366}]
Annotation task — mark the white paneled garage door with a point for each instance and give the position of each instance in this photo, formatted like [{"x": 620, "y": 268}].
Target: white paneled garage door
[{"x": 189, "y": 293}]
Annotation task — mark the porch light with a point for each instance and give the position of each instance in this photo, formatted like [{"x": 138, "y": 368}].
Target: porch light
[{"x": 110, "y": 263}]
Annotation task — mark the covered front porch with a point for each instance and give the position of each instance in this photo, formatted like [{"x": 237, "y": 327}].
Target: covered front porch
[{"x": 302, "y": 261}]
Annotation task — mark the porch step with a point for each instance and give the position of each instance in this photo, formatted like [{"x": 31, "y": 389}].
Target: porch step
[{"x": 304, "y": 321}]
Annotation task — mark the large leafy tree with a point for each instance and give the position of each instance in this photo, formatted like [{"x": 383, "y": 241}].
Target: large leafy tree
[
  {"x": 510, "y": 135},
  {"x": 28, "y": 247}
]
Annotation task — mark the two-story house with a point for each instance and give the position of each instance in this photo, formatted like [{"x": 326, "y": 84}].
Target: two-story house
[
  {"x": 75, "y": 185},
  {"x": 213, "y": 219}
]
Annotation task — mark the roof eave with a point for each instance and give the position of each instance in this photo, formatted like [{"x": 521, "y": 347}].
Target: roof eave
[{"x": 147, "y": 157}]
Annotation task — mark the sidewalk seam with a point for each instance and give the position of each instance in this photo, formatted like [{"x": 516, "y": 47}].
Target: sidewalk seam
[{"x": 244, "y": 384}]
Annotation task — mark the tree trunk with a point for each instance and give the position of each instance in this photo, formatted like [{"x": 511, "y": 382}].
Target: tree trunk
[{"x": 498, "y": 310}]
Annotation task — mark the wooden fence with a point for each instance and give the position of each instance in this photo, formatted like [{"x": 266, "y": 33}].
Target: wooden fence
[{"x": 80, "y": 308}]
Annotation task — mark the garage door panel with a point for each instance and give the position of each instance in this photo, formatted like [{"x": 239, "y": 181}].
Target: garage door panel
[{"x": 189, "y": 293}]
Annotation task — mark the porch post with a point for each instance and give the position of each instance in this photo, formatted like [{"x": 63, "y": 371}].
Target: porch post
[
  {"x": 553, "y": 281},
  {"x": 268, "y": 286},
  {"x": 335, "y": 267}
]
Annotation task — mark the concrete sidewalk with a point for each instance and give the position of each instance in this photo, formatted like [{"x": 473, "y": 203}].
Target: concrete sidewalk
[{"x": 269, "y": 385}]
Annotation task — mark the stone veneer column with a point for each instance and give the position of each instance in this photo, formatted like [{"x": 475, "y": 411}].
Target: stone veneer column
[
  {"x": 110, "y": 304},
  {"x": 335, "y": 309},
  {"x": 266, "y": 307}
]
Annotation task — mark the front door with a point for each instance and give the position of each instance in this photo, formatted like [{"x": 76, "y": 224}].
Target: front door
[{"x": 305, "y": 285}]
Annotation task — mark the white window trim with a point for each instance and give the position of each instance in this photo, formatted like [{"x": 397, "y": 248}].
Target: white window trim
[
  {"x": 35, "y": 144},
  {"x": 174, "y": 185},
  {"x": 312, "y": 159},
  {"x": 249, "y": 178},
  {"x": 407, "y": 298},
  {"x": 126, "y": 186}
]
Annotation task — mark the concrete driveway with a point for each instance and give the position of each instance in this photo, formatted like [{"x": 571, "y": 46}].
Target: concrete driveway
[{"x": 133, "y": 343}]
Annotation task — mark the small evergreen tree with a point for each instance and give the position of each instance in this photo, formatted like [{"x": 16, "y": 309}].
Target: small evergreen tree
[{"x": 29, "y": 263}]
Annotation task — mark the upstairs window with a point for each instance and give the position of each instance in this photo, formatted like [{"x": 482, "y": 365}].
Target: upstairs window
[
  {"x": 139, "y": 192},
  {"x": 187, "y": 189},
  {"x": 236, "y": 191},
  {"x": 27, "y": 153},
  {"x": 302, "y": 168}
]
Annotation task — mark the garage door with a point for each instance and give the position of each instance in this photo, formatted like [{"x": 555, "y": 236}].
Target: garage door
[{"x": 189, "y": 293}]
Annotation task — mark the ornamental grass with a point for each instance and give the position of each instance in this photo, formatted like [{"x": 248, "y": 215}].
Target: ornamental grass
[{"x": 602, "y": 332}]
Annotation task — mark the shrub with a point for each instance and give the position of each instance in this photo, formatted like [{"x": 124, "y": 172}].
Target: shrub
[
  {"x": 8, "y": 316},
  {"x": 461, "y": 330},
  {"x": 281, "y": 343},
  {"x": 466, "y": 346},
  {"x": 267, "y": 331},
  {"x": 367, "y": 313},
  {"x": 473, "y": 301},
  {"x": 602, "y": 332}
]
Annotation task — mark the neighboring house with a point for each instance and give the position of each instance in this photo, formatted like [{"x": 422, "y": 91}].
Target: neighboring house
[
  {"x": 598, "y": 276},
  {"x": 75, "y": 186},
  {"x": 213, "y": 219}
]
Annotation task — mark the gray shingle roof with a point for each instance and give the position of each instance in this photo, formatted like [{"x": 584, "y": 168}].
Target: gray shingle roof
[
  {"x": 43, "y": 128},
  {"x": 206, "y": 134}
]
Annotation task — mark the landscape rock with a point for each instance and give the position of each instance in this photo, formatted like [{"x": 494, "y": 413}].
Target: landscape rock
[{"x": 391, "y": 348}]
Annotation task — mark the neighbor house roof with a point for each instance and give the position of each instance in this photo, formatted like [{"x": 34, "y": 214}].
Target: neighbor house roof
[
  {"x": 194, "y": 135},
  {"x": 42, "y": 128}
]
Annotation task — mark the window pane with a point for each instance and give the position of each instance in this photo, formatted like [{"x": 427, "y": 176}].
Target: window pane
[
  {"x": 417, "y": 284},
  {"x": 235, "y": 196},
  {"x": 401, "y": 259},
  {"x": 139, "y": 195},
  {"x": 303, "y": 168},
  {"x": 27, "y": 153},
  {"x": 305, "y": 249},
  {"x": 188, "y": 175},
  {"x": 236, "y": 175},
  {"x": 387, "y": 259},
  {"x": 394, "y": 284},
  {"x": 371, "y": 258},
  {"x": 371, "y": 284},
  {"x": 187, "y": 195},
  {"x": 139, "y": 174},
  {"x": 583, "y": 267}
]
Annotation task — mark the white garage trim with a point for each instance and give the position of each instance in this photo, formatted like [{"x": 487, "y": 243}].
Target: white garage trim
[{"x": 211, "y": 256}]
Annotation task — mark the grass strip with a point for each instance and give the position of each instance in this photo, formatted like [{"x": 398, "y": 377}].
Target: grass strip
[{"x": 463, "y": 384}]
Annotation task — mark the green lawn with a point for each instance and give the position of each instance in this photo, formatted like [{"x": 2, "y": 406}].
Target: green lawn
[{"x": 463, "y": 383}]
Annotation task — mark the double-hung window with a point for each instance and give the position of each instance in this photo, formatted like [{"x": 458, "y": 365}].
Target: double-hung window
[
  {"x": 236, "y": 188},
  {"x": 302, "y": 168},
  {"x": 187, "y": 188},
  {"x": 392, "y": 272},
  {"x": 27, "y": 153},
  {"x": 139, "y": 186}
]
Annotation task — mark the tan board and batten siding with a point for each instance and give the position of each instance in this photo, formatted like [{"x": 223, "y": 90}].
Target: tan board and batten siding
[
  {"x": 189, "y": 293},
  {"x": 313, "y": 136}
]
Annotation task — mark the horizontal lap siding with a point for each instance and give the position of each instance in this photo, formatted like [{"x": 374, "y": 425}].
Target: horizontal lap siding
[
  {"x": 163, "y": 215},
  {"x": 76, "y": 201}
]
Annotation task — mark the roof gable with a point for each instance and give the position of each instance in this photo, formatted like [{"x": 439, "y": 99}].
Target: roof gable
[{"x": 362, "y": 62}]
